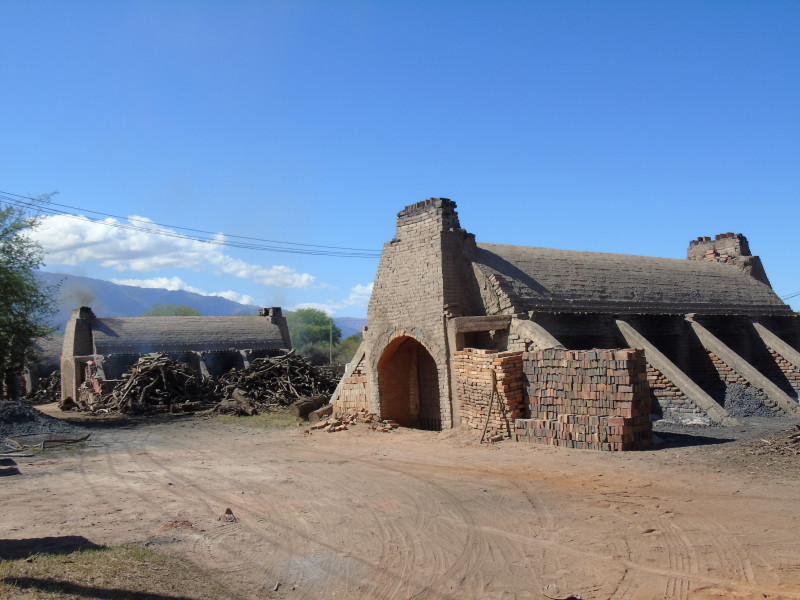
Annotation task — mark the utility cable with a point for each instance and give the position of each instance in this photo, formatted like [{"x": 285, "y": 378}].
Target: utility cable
[{"x": 249, "y": 243}]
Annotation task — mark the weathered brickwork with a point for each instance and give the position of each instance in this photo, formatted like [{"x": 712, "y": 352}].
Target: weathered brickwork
[
  {"x": 420, "y": 278},
  {"x": 730, "y": 248},
  {"x": 672, "y": 401},
  {"x": 791, "y": 372},
  {"x": 477, "y": 374},
  {"x": 352, "y": 393},
  {"x": 594, "y": 399},
  {"x": 728, "y": 375}
]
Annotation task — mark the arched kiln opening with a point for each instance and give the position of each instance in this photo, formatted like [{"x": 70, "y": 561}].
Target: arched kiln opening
[{"x": 409, "y": 385}]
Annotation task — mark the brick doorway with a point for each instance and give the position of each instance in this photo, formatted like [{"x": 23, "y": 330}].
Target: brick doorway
[{"x": 409, "y": 385}]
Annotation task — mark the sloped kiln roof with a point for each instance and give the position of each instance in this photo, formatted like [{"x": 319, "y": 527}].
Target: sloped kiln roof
[
  {"x": 48, "y": 349},
  {"x": 572, "y": 281},
  {"x": 141, "y": 335}
]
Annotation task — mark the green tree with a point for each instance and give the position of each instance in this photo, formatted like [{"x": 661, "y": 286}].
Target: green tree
[
  {"x": 25, "y": 304},
  {"x": 172, "y": 310},
  {"x": 312, "y": 326}
]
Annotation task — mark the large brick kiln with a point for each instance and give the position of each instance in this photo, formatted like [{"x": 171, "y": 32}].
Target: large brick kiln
[{"x": 505, "y": 338}]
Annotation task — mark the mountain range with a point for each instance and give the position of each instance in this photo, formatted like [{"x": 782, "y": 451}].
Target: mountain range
[{"x": 109, "y": 299}]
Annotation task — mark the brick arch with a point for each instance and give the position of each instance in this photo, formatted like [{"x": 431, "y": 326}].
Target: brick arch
[{"x": 409, "y": 384}]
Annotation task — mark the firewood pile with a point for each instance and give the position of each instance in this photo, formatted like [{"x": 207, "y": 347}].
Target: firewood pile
[
  {"x": 157, "y": 384},
  {"x": 49, "y": 389},
  {"x": 273, "y": 382},
  {"x": 784, "y": 446},
  {"x": 353, "y": 417}
]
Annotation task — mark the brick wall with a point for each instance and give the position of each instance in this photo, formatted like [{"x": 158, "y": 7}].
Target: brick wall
[
  {"x": 476, "y": 372},
  {"x": 728, "y": 375},
  {"x": 352, "y": 394},
  {"x": 791, "y": 372},
  {"x": 672, "y": 401},
  {"x": 594, "y": 399}
]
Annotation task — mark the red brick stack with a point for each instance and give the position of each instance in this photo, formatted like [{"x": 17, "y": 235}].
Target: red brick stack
[
  {"x": 473, "y": 371},
  {"x": 592, "y": 399}
]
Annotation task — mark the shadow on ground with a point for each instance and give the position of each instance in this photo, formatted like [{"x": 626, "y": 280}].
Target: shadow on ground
[
  {"x": 684, "y": 440},
  {"x": 84, "y": 591},
  {"x": 8, "y": 466},
  {"x": 14, "y": 549}
]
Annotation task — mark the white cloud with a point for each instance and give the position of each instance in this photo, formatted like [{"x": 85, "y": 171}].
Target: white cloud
[
  {"x": 328, "y": 309},
  {"x": 166, "y": 283},
  {"x": 236, "y": 297},
  {"x": 359, "y": 296},
  {"x": 176, "y": 283},
  {"x": 70, "y": 240}
]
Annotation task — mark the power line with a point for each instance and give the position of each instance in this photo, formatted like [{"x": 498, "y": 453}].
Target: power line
[
  {"x": 790, "y": 296},
  {"x": 231, "y": 240}
]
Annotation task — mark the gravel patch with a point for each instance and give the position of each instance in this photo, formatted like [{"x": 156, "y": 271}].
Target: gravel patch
[
  {"x": 746, "y": 402},
  {"x": 18, "y": 418}
]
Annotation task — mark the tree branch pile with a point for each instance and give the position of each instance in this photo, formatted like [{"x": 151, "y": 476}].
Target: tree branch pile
[
  {"x": 784, "y": 446},
  {"x": 158, "y": 384},
  {"x": 49, "y": 389},
  {"x": 272, "y": 382},
  {"x": 161, "y": 384}
]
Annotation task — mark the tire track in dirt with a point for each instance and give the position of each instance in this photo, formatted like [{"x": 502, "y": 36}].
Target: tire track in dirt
[
  {"x": 549, "y": 562},
  {"x": 433, "y": 504},
  {"x": 397, "y": 554},
  {"x": 391, "y": 586},
  {"x": 190, "y": 498},
  {"x": 723, "y": 542}
]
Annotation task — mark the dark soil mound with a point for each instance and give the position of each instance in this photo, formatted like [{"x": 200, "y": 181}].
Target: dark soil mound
[
  {"x": 18, "y": 418},
  {"x": 743, "y": 401}
]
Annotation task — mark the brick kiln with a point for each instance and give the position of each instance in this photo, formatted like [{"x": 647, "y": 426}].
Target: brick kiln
[{"x": 505, "y": 338}]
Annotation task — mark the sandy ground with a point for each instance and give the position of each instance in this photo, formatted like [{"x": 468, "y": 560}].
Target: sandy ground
[{"x": 414, "y": 514}]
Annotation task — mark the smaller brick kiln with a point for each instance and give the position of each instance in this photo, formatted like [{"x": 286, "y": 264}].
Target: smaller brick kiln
[{"x": 211, "y": 345}]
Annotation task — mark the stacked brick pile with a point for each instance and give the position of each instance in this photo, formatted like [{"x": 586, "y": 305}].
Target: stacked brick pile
[
  {"x": 592, "y": 399},
  {"x": 474, "y": 369}
]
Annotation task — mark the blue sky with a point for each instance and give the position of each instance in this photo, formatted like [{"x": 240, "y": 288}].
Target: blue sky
[{"x": 627, "y": 127}]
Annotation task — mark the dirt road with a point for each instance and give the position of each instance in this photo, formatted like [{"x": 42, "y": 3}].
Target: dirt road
[{"x": 414, "y": 514}]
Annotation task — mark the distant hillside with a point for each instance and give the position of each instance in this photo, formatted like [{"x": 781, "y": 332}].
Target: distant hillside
[
  {"x": 350, "y": 325},
  {"x": 112, "y": 300}
]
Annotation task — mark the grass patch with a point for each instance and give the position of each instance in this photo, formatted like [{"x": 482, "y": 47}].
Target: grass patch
[
  {"x": 279, "y": 419},
  {"x": 120, "y": 572}
]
